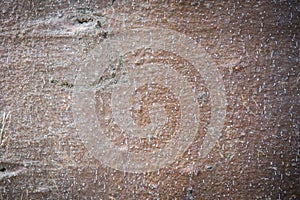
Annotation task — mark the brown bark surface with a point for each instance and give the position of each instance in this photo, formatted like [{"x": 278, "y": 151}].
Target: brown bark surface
[{"x": 255, "y": 47}]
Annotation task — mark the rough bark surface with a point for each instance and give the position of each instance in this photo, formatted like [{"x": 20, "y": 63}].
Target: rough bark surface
[{"x": 255, "y": 47}]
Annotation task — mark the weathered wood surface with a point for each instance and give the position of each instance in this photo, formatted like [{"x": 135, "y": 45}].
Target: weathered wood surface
[{"x": 255, "y": 47}]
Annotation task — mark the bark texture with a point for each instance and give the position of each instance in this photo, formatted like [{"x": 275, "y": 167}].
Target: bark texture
[{"x": 254, "y": 45}]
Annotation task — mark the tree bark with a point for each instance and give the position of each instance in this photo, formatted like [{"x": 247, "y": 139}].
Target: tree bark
[{"x": 243, "y": 64}]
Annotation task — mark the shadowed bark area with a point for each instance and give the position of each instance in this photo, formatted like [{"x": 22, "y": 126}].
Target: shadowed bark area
[{"x": 254, "y": 46}]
